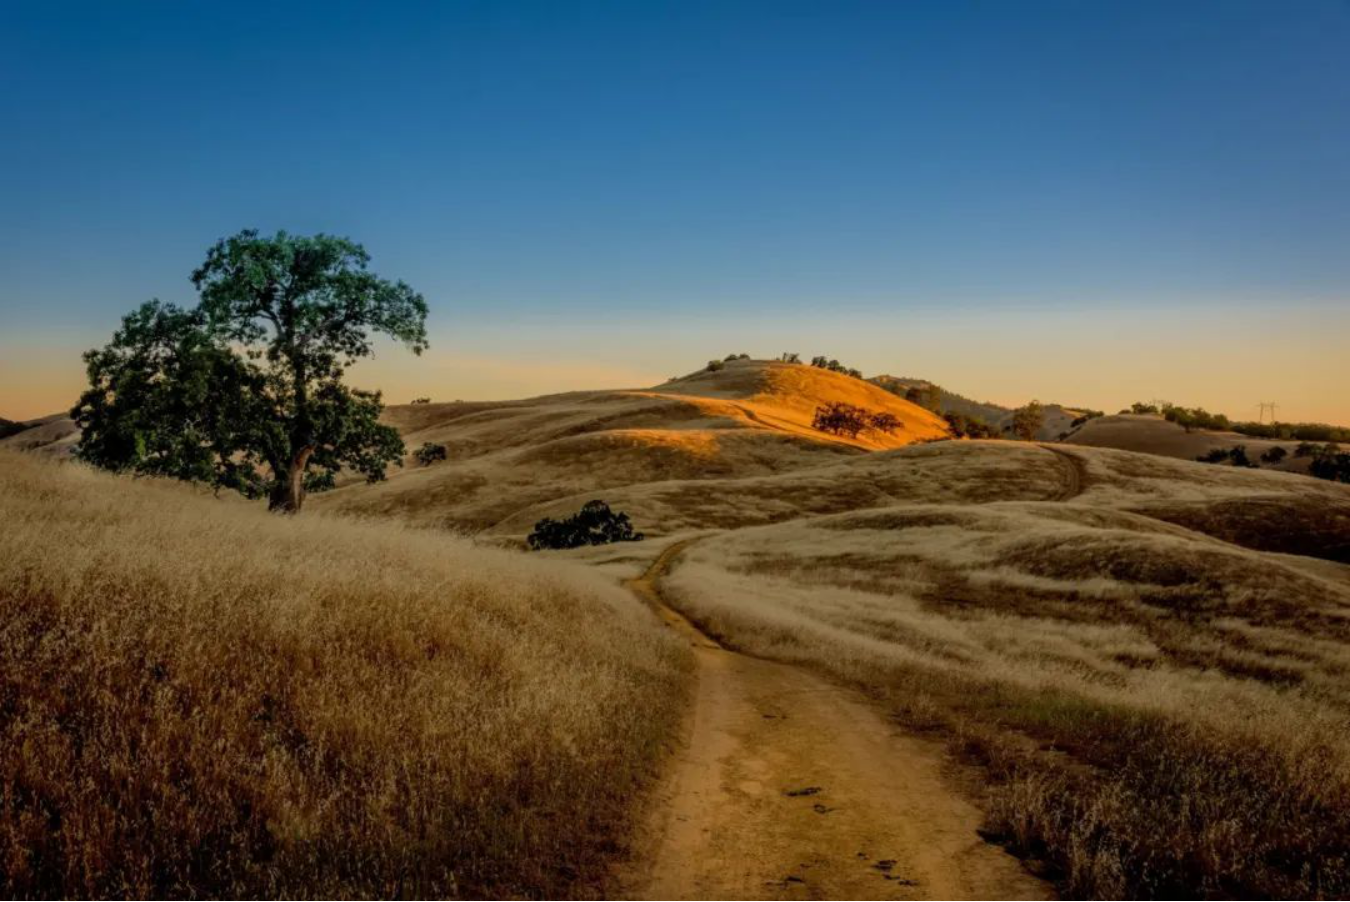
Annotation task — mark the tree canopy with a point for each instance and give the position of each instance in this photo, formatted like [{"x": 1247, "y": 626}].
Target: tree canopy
[
  {"x": 1028, "y": 420},
  {"x": 245, "y": 391}
]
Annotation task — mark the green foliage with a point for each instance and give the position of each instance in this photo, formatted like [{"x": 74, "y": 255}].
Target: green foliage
[
  {"x": 594, "y": 524},
  {"x": 9, "y": 427},
  {"x": 429, "y": 453},
  {"x": 835, "y": 366},
  {"x": 1195, "y": 418},
  {"x": 1028, "y": 420},
  {"x": 967, "y": 427},
  {"x": 731, "y": 357},
  {"x": 715, "y": 365},
  {"x": 790, "y": 357},
  {"x": 1141, "y": 407},
  {"x": 245, "y": 390},
  {"x": 421, "y": 401},
  {"x": 929, "y": 397}
]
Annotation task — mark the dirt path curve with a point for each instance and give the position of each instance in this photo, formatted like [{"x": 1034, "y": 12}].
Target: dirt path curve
[
  {"x": 1075, "y": 473},
  {"x": 789, "y": 787}
]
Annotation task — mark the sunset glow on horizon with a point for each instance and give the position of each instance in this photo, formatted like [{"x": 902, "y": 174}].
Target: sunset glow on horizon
[{"x": 1083, "y": 203}]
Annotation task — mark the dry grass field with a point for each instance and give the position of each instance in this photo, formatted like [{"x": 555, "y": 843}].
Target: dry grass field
[
  {"x": 750, "y": 419},
  {"x": 200, "y": 699},
  {"x": 1146, "y": 660},
  {"x": 1151, "y": 434},
  {"x": 1159, "y": 712}
]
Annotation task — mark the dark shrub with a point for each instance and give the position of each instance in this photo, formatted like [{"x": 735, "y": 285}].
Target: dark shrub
[
  {"x": 595, "y": 524},
  {"x": 1236, "y": 455},
  {"x": 1330, "y": 463},
  {"x": 429, "y": 453},
  {"x": 1274, "y": 455}
]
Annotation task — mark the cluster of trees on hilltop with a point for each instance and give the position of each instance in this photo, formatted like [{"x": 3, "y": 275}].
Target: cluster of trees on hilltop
[
  {"x": 835, "y": 366},
  {"x": 1196, "y": 418}
]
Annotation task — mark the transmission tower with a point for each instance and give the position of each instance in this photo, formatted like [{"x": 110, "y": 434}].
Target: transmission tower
[{"x": 1263, "y": 406}]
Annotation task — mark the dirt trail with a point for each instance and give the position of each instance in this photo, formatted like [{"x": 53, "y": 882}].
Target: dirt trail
[
  {"x": 789, "y": 787},
  {"x": 1075, "y": 473}
]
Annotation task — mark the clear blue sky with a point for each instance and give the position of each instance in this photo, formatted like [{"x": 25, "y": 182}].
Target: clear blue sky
[{"x": 634, "y": 187}]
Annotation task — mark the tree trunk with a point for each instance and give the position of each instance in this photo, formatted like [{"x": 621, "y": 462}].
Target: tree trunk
[{"x": 288, "y": 493}]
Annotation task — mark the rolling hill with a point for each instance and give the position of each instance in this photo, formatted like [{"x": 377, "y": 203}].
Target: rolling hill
[
  {"x": 1129, "y": 667},
  {"x": 752, "y": 418},
  {"x": 1152, "y": 434},
  {"x": 53, "y": 436},
  {"x": 1058, "y": 418}
]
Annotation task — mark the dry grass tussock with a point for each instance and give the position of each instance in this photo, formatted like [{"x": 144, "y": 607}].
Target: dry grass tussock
[
  {"x": 198, "y": 699},
  {"x": 1162, "y": 713}
]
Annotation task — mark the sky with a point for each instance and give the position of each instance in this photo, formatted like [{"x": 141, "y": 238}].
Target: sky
[{"x": 1089, "y": 203}]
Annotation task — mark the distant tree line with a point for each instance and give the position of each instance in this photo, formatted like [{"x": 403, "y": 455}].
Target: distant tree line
[
  {"x": 835, "y": 366},
  {"x": 1198, "y": 418},
  {"x": 429, "y": 453}
]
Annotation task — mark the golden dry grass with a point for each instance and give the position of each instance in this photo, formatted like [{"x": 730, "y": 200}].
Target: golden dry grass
[
  {"x": 1151, "y": 434},
  {"x": 199, "y": 699},
  {"x": 1161, "y": 713},
  {"x": 748, "y": 420}
]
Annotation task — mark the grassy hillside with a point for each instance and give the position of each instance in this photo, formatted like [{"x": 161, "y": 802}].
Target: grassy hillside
[
  {"x": 51, "y": 436},
  {"x": 1161, "y": 713},
  {"x": 984, "y": 411},
  {"x": 752, "y": 418},
  {"x": 199, "y": 699},
  {"x": 1151, "y": 434}
]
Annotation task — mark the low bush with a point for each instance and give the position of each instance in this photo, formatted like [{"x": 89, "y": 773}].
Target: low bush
[
  {"x": 429, "y": 453},
  {"x": 1237, "y": 456},
  {"x": 1274, "y": 455},
  {"x": 594, "y": 524}
]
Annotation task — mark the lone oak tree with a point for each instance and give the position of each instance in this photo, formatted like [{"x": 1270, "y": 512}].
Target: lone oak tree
[{"x": 245, "y": 391}]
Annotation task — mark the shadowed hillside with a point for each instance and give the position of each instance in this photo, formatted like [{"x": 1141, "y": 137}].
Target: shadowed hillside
[{"x": 1152, "y": 434}]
